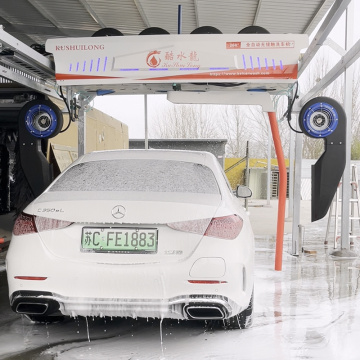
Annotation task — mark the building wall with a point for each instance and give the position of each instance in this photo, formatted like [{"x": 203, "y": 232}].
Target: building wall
[
  {"x": 236, "y": 175},
  {"x": 103, "y": 132}
]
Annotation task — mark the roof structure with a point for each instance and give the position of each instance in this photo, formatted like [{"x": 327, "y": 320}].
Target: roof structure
[{"x": 40, "y": 20}]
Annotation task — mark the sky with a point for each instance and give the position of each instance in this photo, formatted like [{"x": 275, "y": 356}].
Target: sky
[{"x": 129, "y": 109}]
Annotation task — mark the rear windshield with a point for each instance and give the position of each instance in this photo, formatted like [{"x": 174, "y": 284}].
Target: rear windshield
[{"x": 138, "y": 175}]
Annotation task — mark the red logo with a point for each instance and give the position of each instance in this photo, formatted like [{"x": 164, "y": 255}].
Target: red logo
[{"x": 153, "y": 59}]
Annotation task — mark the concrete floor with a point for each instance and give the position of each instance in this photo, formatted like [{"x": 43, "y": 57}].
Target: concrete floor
[{"x": 309, "y": 310}]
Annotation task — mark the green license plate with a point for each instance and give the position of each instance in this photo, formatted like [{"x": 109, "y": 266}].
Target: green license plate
[{"x": 123, "y": 240}]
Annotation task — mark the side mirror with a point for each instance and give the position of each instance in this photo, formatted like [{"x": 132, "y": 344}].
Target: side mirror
[{"x": 243, "y": 192}]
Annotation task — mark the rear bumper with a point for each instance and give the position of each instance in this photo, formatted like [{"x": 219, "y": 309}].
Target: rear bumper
[{"x": 192, "y": 307}]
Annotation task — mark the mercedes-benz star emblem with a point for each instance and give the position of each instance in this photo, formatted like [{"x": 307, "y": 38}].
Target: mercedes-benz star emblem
[{"x": 118, "y": 212}]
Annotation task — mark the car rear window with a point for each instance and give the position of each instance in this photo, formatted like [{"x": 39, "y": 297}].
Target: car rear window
[{"x": 138, "y": 175}]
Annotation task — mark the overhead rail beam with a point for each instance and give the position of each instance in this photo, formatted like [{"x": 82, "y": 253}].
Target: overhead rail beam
[
  {"x": 346, "y": 61},
  {"x": 32, "y": 56},
  {"x": 21, "y": 64},
  {"x": 331, "y": 19},
  {"x": 18, "y": 77}
]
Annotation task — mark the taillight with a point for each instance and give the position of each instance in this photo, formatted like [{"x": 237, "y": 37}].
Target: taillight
[
  {"x": 191, "y": 226},
  {"x": 224, "y": 227},
  {"x": 27, "y": 224},
  {"x": 24, "y": 224}
]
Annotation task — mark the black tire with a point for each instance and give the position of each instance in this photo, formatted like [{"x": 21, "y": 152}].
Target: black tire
[
  {"x": 206, "y": 30},
  {"x": 42, "y": 118},
  {"x": 154, "y": 31},
  {"x": 107, "y": 32},
  {"x": 242, "y": 320},
  {"x": 253, "y": 29},
  {"x": 43, "y": 319}
]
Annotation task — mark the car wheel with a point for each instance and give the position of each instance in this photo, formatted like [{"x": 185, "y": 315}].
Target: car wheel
[
  {"x": 45, "y": 319},
  {"x": 242, "y": 320}
]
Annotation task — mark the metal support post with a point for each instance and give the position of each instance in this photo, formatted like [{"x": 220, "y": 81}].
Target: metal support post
[
  {"x": 81, "y": 127},
  {"x": 84, "y": 102},
  {"x": 345, "y": 211},
  {"x": 291, "y": 175},
  {"x": 268, "y": 180},
  {"x": 247, "y": 174},
  {"x": 296, "y": 240},
  {"x": 345, "y": 214}
]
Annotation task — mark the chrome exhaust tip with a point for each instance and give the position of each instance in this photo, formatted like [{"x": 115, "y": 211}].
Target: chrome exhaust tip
[
  {"x": 30, "y": 308},
  {"x": 204, "y": 312}
]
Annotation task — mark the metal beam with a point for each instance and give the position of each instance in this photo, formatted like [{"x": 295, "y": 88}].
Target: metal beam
[
  {"x": 346, "y": 61},
  {"x": 45, "y": 13},
  {"x": 335, "y": 46},
  {"x": 348, "y": 100},
  {"x": 92, "y": 13},
  {"x": 142, "y": 13},
  {"x": 46, "y": 31},
  {"x": 31, "y": 83},
  {"x": 331, "y": 19},
  {"x": 296, "y": 239},
  {"x": 257, "y": 12},
  {"x": 84, "y": 101},
  {"x": 196, "y": 7},
  {"x": 10, "y": 42}
]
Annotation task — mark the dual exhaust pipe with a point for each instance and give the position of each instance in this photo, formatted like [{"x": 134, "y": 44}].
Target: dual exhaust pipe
[
  {"x": 194, "y": 312},
  {"x": 205, "y": 312},
  {"x": 40, "y": 303},
  {"x": 34, "y": 303},
  {"x": 30, "y": 308}
]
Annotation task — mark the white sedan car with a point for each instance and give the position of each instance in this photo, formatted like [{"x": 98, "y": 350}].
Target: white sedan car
[{"x": 139, "y": 233}]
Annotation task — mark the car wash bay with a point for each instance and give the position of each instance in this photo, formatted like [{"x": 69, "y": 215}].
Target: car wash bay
[{"x": 308, "y": 310}]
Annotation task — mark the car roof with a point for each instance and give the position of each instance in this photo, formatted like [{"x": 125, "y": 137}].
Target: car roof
[{"x": 201, "y": 157}]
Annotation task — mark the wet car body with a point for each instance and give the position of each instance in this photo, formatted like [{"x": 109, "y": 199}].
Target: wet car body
[{"x": 140, "y": 233}]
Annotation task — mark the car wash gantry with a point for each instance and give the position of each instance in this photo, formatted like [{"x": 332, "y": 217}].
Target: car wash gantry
[{"x": 204, "y": 67}]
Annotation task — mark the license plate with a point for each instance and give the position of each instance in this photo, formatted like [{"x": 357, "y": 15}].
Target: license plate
[{"x": 123, "y": 240}]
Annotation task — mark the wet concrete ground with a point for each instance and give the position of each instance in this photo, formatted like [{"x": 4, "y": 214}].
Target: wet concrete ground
[{"x": 309, "y": 310}]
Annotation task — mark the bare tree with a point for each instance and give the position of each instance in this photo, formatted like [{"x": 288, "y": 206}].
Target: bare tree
[
  {"x": 234, "y": 127},
  {"x": 186, "y": 122},
  {"x": 260, "y": 128}
]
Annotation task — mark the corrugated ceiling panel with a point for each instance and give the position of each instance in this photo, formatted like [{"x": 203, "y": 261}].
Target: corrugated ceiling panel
[
  {"x": 275, "y": 15},
  {"x": 164, "y": 14},
  {"x": 327, "y": 4},
  {"x": 67, "y": 14},
  {"x": 28, "y": 15},
  {"x": 122, "y": 15},
  {"x": 218, "y": 14},
  {"x": 42, "y": 19}
]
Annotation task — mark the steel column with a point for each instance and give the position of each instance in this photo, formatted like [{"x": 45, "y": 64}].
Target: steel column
[
  {"x": 348, "y": 97},
  {"x": 296, "y": 227}
]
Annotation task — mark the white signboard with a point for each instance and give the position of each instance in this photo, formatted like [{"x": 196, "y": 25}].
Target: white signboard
[{"x": 200, "y": 58}]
